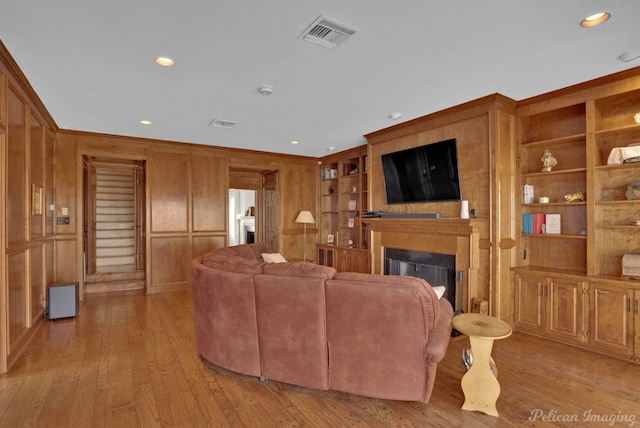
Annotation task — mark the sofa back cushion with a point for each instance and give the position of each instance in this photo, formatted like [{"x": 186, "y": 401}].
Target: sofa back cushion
[
  {"x": 427, "y": 293},
  {"x": 232, "y": 263},
  {"x": 225, "y": 323},
  {"x": 304, "y": 269},
  {"x": 291, "y": 318},
  {"x": 249, "y": 251},
  {"x": 378, "y": 328}
]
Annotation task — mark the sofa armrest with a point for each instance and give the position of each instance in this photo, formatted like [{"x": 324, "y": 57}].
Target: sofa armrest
[{"x": 440, "y": 334}]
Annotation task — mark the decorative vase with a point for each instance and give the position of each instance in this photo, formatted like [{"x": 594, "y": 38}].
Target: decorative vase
[
  {"x": 464, "y": 209},
  {"x": 548, "y": 161}
]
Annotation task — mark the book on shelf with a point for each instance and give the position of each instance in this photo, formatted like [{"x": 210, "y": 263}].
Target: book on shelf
[
  {"x": 528, "y": 194},
  {"x": 538, "y": 223},
  {"x": 552, "y": 224},
  {"x": 349, "y": 169},
  {"x": 527, "y": 223},
  {"x": 325, "y": 173},
  {"x": 328, "y": 173}
]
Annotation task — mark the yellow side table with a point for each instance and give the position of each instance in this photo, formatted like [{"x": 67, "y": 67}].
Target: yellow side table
[{"x": 480, "y": 386}]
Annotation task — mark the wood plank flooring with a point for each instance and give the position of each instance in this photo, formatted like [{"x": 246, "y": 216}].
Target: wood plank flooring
[{"x": 129, "y": 360}]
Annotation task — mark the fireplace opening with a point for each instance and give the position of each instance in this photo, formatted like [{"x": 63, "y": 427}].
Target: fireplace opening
[{"x": 437, "y": 269}]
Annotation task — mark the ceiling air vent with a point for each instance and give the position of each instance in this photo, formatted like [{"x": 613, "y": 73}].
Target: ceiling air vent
[
  {"x": 221, "y": 123},
  {"x": 327, "y": 32}
]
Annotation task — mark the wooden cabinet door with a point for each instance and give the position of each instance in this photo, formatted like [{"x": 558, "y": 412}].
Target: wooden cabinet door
[
  {"x": 355, "y": 261},
  {"x": 611, "y": 318},
  {"x": 327, "y": 256},
  {"x": 530, "y": 308},
  {"x": 565, "y": 309}
]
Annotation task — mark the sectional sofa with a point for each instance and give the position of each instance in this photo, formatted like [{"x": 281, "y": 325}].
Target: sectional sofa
[{"x": 304, "y": 324}]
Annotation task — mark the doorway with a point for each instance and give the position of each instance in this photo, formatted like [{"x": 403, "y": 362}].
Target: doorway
[
  {"x": 114, "y": 244},
  {"x": 242, "y": 216},
  {"x": 264, "y": 215}
]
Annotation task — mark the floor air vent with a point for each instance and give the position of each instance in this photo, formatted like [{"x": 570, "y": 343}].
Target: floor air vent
[{"x": 327, "y": 32}]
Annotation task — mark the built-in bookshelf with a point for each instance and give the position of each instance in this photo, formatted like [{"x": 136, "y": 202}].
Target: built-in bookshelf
[
  {"x": 344, "y": 195},
  {"x": 569, "y": 286}
]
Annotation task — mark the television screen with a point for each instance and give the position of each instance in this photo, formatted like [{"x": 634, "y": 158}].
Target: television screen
[{"x": 427, "y": 173}]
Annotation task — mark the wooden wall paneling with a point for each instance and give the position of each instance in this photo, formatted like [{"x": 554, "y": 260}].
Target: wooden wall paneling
[
  {"x": 503, "y": 210},
  {"x": 49, "y": 264},
  {"x": 110, "y": 146},
  {"x": 168, "y": 190},
  {"x": 205, "y": 244},
  {"x": 299, "y": 192},
  {"x": 37, "y": 174},
  {"x": 249, "y": 179},
  {"x": 37, "y": 286},
  {"x": 483, "y": 130},
  {"x": 209, "y": 189},
  {"x": 4, "y": 292},
  {"x": 66, "y": 254},
  {"x": 472, "y": 139},
  {"x": 68, "y": 185},
  {"x": 49, "y": 183},
  {"x": 17, "y": 265},
  {"x": 23, "y": 122},
  {"x": 17, "y": 194},
  {"x": 170, "y": 264}
]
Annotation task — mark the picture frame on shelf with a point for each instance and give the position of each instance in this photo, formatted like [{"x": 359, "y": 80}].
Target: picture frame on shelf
[{"x": 329, "y": 239}]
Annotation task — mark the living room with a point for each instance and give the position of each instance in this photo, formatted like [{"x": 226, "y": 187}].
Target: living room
[{"x": 187, "y": 190}]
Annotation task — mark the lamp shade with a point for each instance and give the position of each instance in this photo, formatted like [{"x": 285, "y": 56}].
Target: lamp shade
[{"x": 305, "y": 217}]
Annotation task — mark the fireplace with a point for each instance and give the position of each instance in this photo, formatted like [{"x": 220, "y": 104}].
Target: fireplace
[
  {"x": 458, "y": 239},
  {"x": 437, "y": 269}
]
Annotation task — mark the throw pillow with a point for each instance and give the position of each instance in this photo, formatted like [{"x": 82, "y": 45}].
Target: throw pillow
[
  {"x": 439, "y": 290},
  {"x": 273, "y": 258}
]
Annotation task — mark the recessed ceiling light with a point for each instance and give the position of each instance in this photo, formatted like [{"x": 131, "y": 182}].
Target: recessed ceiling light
[
  {"x": 164, "y": 61},
  {"x": 395, "y": 116},
  {"x": 595, "y": 19},
  {"x": 331, "y": 148},
  {"x": 145, "y": 122},
  {"x": 295, "y": 142},
  {"x": 265, "y": 90}
]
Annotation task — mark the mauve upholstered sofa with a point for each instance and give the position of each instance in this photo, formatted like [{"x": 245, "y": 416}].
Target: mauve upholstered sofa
[{"x": 305, "y": 324}]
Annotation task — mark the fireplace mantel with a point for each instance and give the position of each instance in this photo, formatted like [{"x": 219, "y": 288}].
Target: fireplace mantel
[
  {"x": 454, "y": 236},
  {"x": 441, "y": 226}
]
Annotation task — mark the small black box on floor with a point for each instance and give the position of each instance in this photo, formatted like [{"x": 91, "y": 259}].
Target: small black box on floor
[{"x": 63, "y": 300}]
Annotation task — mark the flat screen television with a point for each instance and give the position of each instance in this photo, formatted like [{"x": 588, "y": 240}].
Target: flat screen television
[{"x": 427, "y": 173}]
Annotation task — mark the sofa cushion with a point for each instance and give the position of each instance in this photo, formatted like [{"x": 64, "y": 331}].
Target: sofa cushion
[
  {"x": 245, "y": 251},
  {"x": 390, "y": 279},
  {"x": 232, "y": 263},
  {"x": 305, "y": 269},
  {"x": 382, "y": 279}
]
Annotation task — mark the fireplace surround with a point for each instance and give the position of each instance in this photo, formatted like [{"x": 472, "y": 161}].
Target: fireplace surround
[{"x": 445, "y": 236}]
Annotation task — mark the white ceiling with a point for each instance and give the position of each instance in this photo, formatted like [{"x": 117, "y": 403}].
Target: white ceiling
[{"x": 92, "y": 63}]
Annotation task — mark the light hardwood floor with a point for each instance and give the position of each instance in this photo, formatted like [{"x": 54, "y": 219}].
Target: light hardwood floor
[{"x": 129, "y": 360}]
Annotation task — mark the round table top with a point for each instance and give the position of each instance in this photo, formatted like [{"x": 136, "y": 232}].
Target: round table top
[{"x": 479, "y": 325}]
